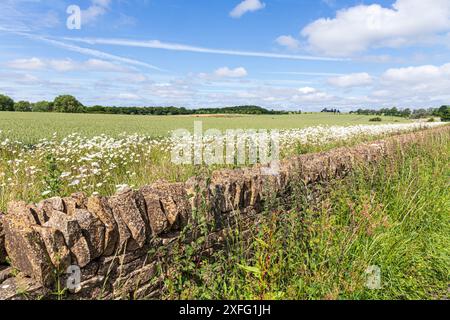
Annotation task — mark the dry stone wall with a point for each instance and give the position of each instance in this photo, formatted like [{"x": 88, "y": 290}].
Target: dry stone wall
[{"x": 109, "y": 238}]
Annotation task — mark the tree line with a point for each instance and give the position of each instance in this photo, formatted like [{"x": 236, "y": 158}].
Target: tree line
[
  {"x": 335, "y": 111},
  {"x": 69, "y": 104},
  {"x": 443, "y": 112}
]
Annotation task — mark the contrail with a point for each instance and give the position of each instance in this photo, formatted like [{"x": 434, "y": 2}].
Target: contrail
[
  {"x": 156, "y": 44},
  {"x": 98, "y": 54},
  {"x": 84, "y": 51}
]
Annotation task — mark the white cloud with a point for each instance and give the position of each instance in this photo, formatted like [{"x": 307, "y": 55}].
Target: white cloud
[
  {"x": 105, "y": 66},
  {"x": 419, "y": 74},
  {"x": 128, "y": 96},
  {"x": 307, "y": 90},
  {"x": 95, "y": 10},
  {"x": 302, "y": 73},
  {"x": 288, "y": 42},
  {"x": 65, "y": 65},
  {"x": 247, "y": 6},
  {"x": 226, "y": 72},
  {"x": 134, "y": 78},
  {"x": 351, "y": 80},
  {"x": 361, "y": 27},
  {"x": 26, "y": 64},
  {"x": 417, "y": 86}
]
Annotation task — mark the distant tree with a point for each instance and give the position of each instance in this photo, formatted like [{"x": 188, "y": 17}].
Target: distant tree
[
  {"x": 42, "y": 106},
  {"x": 97, "y": 109},
  {"x": 420, "y": 113},
  {"x": 6, "y": 103},
  {"x": 406, "y": 113},
  {"x": 393, "y": 112},
  {"x": 22, "y": 106},
  {"x": 67, "y": 103},
  {"x": 444, "y": 113},
  {"x": 326, "y": 110}
]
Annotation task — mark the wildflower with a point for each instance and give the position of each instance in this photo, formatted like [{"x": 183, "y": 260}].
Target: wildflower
[
  {"x": 74, "y": 183},
  {"x": 65, "y": 175}
]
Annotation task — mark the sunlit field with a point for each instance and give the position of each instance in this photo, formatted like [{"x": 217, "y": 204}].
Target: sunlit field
[
  {"x": 30, "y": 127},
  {"x": 45, "y": 155}
]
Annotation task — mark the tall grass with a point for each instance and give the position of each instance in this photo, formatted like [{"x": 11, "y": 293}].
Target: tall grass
[{"x": 394, "y": 215}]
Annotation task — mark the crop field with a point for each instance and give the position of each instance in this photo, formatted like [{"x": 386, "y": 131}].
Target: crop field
[
  {"x": 44, "y": 155},
  {"x": 30, "y": 127}
]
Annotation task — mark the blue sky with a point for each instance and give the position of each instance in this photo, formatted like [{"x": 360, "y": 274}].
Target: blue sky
[{"x": 281, "y": 54}]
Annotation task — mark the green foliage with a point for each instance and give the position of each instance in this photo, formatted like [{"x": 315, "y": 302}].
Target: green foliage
[
  {"x": 444, "y": 113},
  {"x": 392, "y": 112},
  {"x": 68, "y": 104},
  {"x": 6, "y": 103},
  {"x": 180, "y": 111},
  {"x": 376, "y": 119},
  {"x": 42, "y": 106},
  {"x": 52, "y": 179},
  {"x": 22, "y": 106}
]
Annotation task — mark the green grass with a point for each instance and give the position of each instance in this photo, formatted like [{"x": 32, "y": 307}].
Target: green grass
[
  {"x": 394, "y": 215},
  {"x": 30, "y": 127}
]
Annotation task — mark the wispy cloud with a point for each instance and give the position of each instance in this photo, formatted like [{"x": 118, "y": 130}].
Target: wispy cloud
[
  {"x": 226, "y": 72},
  {"x": 95, "y": 10},
  {"x": 351, "y": 80},
  {"x": 289, "y": 42},
  {"x": 84, "y": 51},
  {"x": 64, "y": 65},
  {"x": 314, "y": 74},
  {"x": 14, "y": 17},
  {"x": 156, "y": 44},
  {"x": 97, "y": 53},
  {"x": 247, "y": 6}
]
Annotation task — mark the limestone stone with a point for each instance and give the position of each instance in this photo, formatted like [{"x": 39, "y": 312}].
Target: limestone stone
[
  {"x": 5, "y": 273},
  {"x": 47, "y": 206},
  {"x": 99, "y": 207},
  {"x": 73, "y": 235},
  {"x": 56, "y": 247},
  {"x": 21, "y": 288},
  {"x": 26, "y": 248},
  {"x": 21, "y": 210},
  {"x": 75, "y": 201},
  {"x": 158, "y": 221},
  {"x": 93, "y": 231},
  {"x": 2, "y": 241},
  {"x": 131, "y": 282},
  {"x": 129, "y": 212},
  {"x": 174, "y": 202}
]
